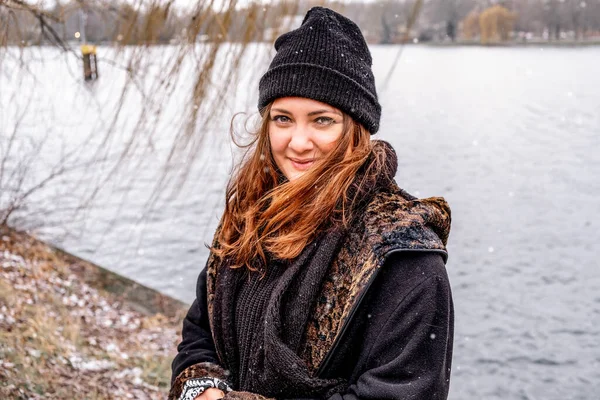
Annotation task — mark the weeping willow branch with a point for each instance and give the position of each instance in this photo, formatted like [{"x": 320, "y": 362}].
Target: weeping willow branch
[
  {"x": 205, "y": 35},
  {"x": 410, "y": 23}
]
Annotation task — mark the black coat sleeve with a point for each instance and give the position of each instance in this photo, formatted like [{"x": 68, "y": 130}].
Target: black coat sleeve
[
  {"x": 197, "y": 345},
  {"x": 407, "y": 348}
]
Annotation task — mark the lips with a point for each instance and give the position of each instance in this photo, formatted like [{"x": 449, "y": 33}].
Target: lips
[{"x": 302, "y": 164}]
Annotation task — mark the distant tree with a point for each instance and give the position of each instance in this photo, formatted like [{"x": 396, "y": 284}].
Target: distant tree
[
  {"x": 444, "y": 16},
  {"x": 495, "y": 24},
  {"x": 553, "y": 18},
  {"x": 575, "y": 11},
  {"x": 451, "y": 30},
  {"x": 386, "y": 30},
  {"x": 470, "y": 25},
  {"x": 387, "y": 21}
]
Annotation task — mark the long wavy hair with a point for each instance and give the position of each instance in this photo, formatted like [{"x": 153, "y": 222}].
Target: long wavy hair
[{"x": 267, "y": 214}]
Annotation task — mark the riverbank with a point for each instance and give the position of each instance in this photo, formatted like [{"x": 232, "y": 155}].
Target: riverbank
[{"x": 70, "y": 329}]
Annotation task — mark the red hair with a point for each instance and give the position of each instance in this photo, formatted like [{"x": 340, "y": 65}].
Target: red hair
[{"x": 266, "y": 214}]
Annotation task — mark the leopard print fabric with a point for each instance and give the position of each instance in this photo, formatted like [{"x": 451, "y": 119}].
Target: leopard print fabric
[
  {"x": 394, "y": 220},
  {"x": 199, "y": 370}
]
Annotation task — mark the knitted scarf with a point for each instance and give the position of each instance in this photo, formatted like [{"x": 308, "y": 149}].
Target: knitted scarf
[{"x": 281, "y": 370}]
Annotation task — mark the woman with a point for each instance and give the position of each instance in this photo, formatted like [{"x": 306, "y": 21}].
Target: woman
[{"x": 325, "y": 279}]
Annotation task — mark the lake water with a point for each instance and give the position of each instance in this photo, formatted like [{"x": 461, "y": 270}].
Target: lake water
[{"x": 509, "y": 136}]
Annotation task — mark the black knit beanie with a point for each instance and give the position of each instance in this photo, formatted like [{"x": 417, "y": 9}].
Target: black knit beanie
[{"x": 325, "y": 59}]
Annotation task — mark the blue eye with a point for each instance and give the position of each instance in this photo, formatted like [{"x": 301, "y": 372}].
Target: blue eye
[
  {"x": 324, "y": 121},
  {"x": 280, "y": 118}
]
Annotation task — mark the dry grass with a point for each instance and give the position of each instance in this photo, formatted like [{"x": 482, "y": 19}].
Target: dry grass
[{"x": 62, "y": 338}]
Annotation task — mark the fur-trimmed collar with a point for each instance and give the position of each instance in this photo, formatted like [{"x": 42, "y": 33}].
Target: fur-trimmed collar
[{"x": 393, "y": 221}]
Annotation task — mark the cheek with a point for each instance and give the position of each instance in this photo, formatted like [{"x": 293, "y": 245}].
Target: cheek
[
  {"x": 278, "y": 142},
  {"x": 327, "y": 143},
  {"x": 328, "y": 147}
]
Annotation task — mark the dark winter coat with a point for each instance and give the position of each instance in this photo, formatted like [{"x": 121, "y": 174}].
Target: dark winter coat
[{"x": 389, "y": 332}]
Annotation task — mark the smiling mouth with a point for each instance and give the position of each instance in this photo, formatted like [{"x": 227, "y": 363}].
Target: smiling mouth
[{"x": 302, "y": 165}]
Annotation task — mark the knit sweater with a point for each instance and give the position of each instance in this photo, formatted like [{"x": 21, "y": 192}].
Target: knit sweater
[{"x": 251, "y": 303}]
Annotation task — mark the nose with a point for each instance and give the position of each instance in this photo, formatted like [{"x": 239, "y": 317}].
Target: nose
[{"x": 301, "y": 140}]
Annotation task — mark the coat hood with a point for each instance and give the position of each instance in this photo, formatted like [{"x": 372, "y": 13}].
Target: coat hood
[{"x": 395, "y": 219}]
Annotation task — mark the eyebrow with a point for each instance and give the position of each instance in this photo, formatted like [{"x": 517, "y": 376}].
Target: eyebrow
[{"x": 322, "y": 111}]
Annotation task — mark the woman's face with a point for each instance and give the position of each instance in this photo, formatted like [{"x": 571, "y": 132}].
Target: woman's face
[{"x": 302, "y": 131}]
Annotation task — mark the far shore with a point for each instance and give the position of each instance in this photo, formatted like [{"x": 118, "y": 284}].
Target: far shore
[{"x": 412, "y": 42}]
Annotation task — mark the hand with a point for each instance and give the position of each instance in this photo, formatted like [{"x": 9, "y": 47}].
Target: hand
[{"x": 211, "y": 394}]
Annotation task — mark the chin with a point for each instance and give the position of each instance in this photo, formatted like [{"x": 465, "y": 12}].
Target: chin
[{"x": 293, "y": 175}]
